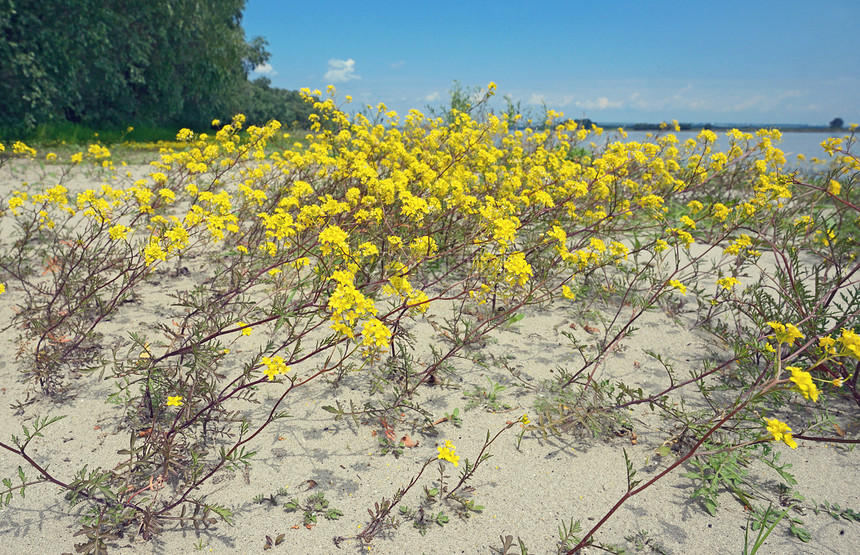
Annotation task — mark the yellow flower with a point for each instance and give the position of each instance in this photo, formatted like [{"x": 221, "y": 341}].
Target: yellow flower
[
  {"x": 178, "y": 236},
  {"x": 827, "y": 344},
  {"x": 2, "y": 288},
  {"x": 803, "y": 382},
  {"x": 153, "y": 252},
  {"x": 721, "y": 211},
  {"x": 505, "y": 230},
  {"x": 118, "y": 232},
  {"x": 525, "y": 419},
  {"x": 174, "y": 401},
  {"x": 651, "y": 201},
  {"x": 678, "y": 285},
  {"x": 168, "y": 195},
  {"x": 568, "y": 293},
  {"x": 786, "y": 333},
  {"x": 518, "y": 269},
  {"x": 421, "y": 246},
  {"x": 781, "y": 432},
  {"x": 375, "y": 333},
  {"x": 850, "y": 344},
  {"x": 245, "y": 331},
  {"x": 597, "y": 245},
  {"x": 695, "y": 206},
  {"x": 618, "y": 249},
  {"x": 727, "y": 283},
  {"x": 333, "y": 235},
  {"x": 446, "y": 453},
  {"x": 20, "y": 148},
  {"x": 834, "y": 188},
  {"x": 274, "y": 366},
  {"x": 688, "y": 221}
]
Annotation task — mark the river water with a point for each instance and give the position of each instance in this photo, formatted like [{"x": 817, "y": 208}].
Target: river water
[{"x": 793, "y": 143}]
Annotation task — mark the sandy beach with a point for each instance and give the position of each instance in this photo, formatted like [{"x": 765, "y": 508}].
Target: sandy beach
[{"x": 529, "y": 487}]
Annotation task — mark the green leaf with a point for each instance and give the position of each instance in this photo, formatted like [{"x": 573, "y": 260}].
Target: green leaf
[
  {"x": 711, "y": 506},
  {"x": 800, "y": 533},
  {"x": 663, "y": 451},
  {"x": 515, "y": 318}
]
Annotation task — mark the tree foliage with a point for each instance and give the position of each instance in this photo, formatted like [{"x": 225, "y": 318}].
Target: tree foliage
[
  {"x": 263, "y": 103},
  {"x": 114, "y": 62}
]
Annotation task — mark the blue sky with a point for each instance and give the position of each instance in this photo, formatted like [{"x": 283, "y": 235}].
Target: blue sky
[{"x": 717, "y": 61}]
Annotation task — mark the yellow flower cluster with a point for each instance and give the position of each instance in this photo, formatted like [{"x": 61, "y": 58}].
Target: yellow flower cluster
[
  {"x": 446, "y": 453},
  {"x": 518, "y": 270},
  {"x": 803, "y": 383},
  {"x": 786, "y": 333},
  {"x": 347, "y": 304},
  {"x": 375, "y": 335},
  {"x": 275, "y": 366},
  {"x": 849, "y": 344},
  {"x": 678, "y": 285},
  {"x": 728, "y": 283},
  {"x": 781, "y": 432}
]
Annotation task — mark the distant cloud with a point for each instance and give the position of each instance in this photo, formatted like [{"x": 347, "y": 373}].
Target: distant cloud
[
  {"x": 680, "y": 94},
  {"x": 432, "y": 97},
  {"x": 637, "y": 101},
  {"x": 764, "y": 102},
  {"x": 600, "y": 103},
  {"x": 340, "y": 71},
  {"x": 397, "y": 65},
  {"x": 265, "y": 69},
  {"x": 536, "y": 99}
]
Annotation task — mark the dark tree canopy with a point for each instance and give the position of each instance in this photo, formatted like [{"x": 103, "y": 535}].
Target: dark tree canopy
[
  {"x": 837, "y": 123},
  {"x": 116, "y": 62},
  {"x": 264, "y": 103}
]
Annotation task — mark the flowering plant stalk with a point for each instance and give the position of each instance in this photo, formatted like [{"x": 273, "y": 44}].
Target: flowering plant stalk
[{"x": 294, "y": 260}]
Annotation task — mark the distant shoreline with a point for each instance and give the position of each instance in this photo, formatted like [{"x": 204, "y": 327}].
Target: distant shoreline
[{"x": 785, "y": 128}]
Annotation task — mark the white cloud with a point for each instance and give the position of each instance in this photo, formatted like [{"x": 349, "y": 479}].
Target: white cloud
[
  {"x": 536, "y": 99},
  {"x": 680, "y": 94},
  {"x": 397, "y": 65},
  {"x": 557, "y": 101},
  {"x": 637, "y": 101},
  {"x": 265, "y": 69},
  {"x": 600, "y": 103},
  {"x": 340, "y": 71},
  {"x": 432, "y": 97}
]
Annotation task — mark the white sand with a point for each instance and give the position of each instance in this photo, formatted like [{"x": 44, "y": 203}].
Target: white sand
[{"x": 526, "y": 492}]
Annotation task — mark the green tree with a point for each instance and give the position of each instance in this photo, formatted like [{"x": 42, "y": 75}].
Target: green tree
[
  {"x": 114, "y": 62},
  {"x": 263, "y": 103},
  {"x": 837, "y": 123}
]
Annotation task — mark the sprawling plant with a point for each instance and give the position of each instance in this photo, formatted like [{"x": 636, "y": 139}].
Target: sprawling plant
[{"x": 316, "y": 255}]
